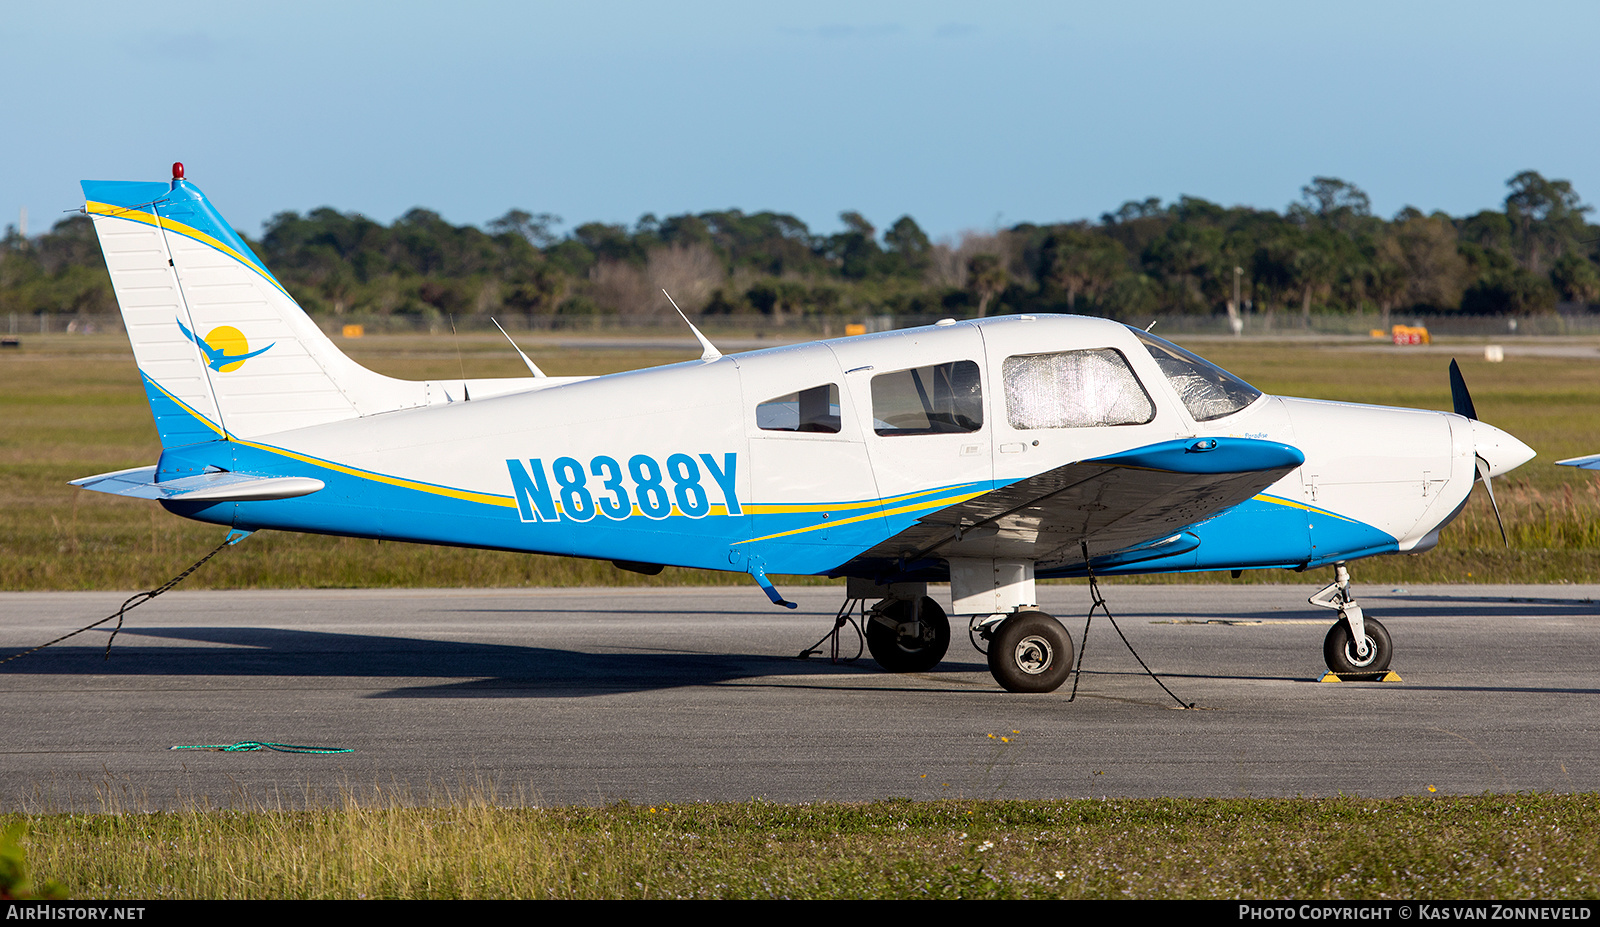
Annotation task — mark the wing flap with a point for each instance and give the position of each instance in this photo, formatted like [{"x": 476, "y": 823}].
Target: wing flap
[{"x": 1110, "y": 503}]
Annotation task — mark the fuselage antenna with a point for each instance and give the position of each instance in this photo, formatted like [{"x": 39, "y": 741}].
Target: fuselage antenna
[
  {"x": 711, "y": 353},
  {"x": 531, "y": 367}
]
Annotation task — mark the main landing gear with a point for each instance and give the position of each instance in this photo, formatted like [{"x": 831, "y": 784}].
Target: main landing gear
[
  {"x": 1029, "y": 651},
  {"x": 1355, "y": 643},
  {"x": 908, "y": 635},
  {"x": 907, "y": 632}
]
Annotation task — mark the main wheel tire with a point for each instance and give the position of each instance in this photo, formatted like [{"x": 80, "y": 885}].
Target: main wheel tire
[
  {"x": 914, "y": 652},
  {"x": 1339, "y": 648},
  {"x": 1030, "y": 652}
]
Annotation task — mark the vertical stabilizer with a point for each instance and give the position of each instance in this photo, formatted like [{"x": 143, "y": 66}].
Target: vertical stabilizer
[{"x": 222, "y": 346}]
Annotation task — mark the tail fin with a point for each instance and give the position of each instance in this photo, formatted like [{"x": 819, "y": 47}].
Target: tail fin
[{"x": 223, "y": 348}]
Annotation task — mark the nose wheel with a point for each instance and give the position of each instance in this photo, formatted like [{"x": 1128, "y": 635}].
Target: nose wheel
[
  {"x": 1356, "y": 644},
  {"x": 1343, "y": 656}
]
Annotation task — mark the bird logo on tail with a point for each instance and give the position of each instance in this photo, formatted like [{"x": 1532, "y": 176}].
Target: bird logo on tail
[{"x": 225, "y": 347}]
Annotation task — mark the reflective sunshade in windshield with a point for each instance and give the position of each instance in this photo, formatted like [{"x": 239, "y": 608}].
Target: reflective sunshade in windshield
[{"x": 1207, "y": 391}]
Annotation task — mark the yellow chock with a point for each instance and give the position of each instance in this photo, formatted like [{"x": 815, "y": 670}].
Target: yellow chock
[{"x": 1380, "y": 676}]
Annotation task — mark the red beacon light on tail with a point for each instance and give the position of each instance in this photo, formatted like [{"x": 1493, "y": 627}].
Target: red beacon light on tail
[{"x": 177, "y": 170}]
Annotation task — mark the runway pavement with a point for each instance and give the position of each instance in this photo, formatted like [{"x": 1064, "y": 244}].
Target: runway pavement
[{"x": 672, "y": 695}]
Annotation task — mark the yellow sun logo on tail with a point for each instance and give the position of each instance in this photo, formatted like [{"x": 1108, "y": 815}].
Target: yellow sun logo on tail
[
  {"x": 225, "y": 347},
  {"x": 231, "y": 343}
]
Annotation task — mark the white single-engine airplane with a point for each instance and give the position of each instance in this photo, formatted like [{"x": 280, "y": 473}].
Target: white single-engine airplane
[{"x": 987, "y": 453}]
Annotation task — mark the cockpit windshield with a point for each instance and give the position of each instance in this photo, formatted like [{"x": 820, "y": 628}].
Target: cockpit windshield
[{"x": 1207, "y": 391}]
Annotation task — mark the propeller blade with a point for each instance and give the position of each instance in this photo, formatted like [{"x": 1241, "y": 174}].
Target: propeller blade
[
  {"x": 1483, "y": 474},
  {"x": 1458, "y": 393}
]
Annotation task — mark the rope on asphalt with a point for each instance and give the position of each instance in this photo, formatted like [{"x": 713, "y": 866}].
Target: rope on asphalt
[
  {"x": 247, "y": 746},
  {"x": 1100, "y": 603},
  {"x": 133, "y": 602}
]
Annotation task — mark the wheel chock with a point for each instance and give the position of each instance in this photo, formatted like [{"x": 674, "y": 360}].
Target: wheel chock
[{"x": 1380, "y": 676}]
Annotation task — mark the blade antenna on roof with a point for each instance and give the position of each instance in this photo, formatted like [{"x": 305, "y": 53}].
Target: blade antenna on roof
[
  {"x": 711, "y": 353},
  {"x": 531, "y": 367}
]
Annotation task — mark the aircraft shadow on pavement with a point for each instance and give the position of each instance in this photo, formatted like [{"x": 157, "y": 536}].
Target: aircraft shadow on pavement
[
  {"x": 477, "y": 670},
  {"x": 608, "y": 611},
  {"x": 1423, "y": 605},
  {"x": 1384, "y": 605}
]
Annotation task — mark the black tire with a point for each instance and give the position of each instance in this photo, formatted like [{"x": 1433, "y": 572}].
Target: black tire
[
  {"x": 917, "y": 652},
  {"x": 1339, "y": 650},
  {"x": 1030, "y": 652}
]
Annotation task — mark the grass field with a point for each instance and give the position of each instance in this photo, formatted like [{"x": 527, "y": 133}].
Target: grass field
[
  {"x": 71, "y": 405},
  {"x": 465, "y": 846}
]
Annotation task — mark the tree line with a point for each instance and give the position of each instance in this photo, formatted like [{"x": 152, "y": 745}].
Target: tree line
[{"x": 1324, "y": 253}]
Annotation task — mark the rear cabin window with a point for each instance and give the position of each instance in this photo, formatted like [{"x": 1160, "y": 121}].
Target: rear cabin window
[
  {"x": 1074, "y": 389},
  {"x": 934, "y": 400},
  {"x": 814, "y": 410},
  {"x": 1207, "y": 391}
]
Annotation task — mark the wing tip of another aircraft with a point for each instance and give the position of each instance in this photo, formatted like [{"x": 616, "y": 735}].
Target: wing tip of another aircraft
[{"x": 1591, "y": 462}]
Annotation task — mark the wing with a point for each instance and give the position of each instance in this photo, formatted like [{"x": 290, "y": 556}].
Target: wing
[
  {"x": 1591, "y": 462},
  {"x": 1114, "y": 503}
]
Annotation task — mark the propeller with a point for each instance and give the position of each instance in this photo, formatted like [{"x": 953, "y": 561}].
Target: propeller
[
  {"x": 1462, "y": 401},
  {"x": 1458, "y": 393}
]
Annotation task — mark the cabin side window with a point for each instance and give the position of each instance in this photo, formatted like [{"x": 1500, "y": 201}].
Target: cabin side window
[
  {"x": 813, "y": 410},
  {"x": 1074, "y": 389},
  {"x": 1207, "y": 391},
  {"x": 933, "y": 400}
]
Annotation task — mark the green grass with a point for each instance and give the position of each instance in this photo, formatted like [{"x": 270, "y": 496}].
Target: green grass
[
  {"x": 71, "y": 405},
  {"x": 1424, "y": 847}
]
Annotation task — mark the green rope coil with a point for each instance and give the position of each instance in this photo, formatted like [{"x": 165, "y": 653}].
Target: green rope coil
[{"x": 245, "y": 746}]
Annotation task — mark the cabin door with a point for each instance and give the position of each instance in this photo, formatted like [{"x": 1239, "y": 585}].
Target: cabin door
[{"x": 926, "y": 415}]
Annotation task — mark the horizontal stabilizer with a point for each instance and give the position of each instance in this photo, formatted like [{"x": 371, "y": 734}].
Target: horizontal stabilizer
[{"x": 216, "y": 486}]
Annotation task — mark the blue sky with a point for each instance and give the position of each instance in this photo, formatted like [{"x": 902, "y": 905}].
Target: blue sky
[{"x": 965, "y": 116}]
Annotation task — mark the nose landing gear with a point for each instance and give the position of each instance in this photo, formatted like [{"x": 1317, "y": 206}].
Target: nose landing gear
[
  {"x": 1344, "y": 657},
  {"x": 1356, "y": 645}
]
